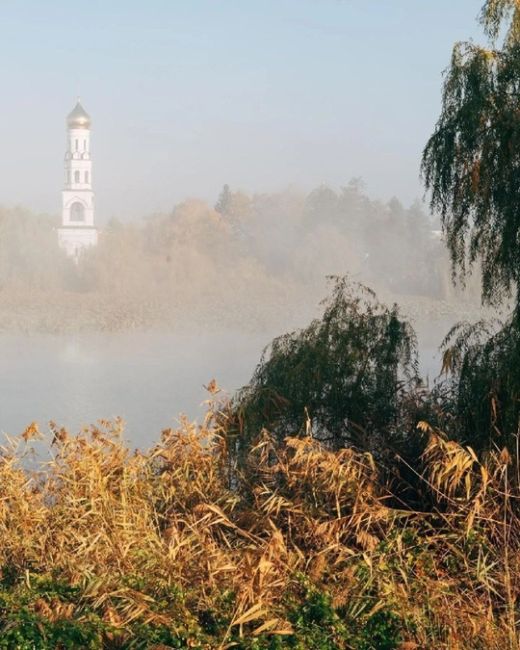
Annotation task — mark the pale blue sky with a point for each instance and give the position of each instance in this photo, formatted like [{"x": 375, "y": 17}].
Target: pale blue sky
[{"x": 188, "y": 95}]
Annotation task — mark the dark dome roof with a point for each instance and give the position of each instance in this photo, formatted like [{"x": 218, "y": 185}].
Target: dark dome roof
[{"x": 78, "y": 118}]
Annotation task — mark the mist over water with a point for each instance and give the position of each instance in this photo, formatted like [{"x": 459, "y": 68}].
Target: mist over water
[
  {"x": 161, "y": 306},
  {"x": 147, "y": 378},
  {"x": 192, "y": 278}
]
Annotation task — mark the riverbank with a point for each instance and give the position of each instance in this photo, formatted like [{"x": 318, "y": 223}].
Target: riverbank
[{"x": 32, "y": 311}]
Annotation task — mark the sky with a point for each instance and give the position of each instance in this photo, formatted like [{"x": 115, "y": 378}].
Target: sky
[{"x": 186, "y": 95}]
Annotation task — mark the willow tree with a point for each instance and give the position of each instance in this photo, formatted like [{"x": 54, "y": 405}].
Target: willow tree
[
  {"x": 471, "y": 163},
  {"x": 344, "y": 379}
]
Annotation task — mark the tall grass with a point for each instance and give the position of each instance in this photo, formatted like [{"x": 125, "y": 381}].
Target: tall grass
[{"x": 103, "y": 547}]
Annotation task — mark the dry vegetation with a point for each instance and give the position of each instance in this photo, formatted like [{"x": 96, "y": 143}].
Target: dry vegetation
[
  {"x": 304, "y": 547},
  {"x": 256, "y": 262},
  {"x": 248, "y": 531}
]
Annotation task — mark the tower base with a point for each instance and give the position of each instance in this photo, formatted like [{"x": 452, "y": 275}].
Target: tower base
[{"x": 75, "y": 239}]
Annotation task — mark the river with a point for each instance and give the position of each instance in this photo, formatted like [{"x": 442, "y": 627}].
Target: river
[{"x": 147, "y": 378}]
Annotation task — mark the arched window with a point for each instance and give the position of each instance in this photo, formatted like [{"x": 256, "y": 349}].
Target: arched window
[
  {"x": 86, "y": 177},
  {"x": 77, "y": 211},
  {"x": 76, "y": 177},
  {"x": 68, "y": 177},
  {"x": 84, "y": 145},
  {"x": 77, "y": 145}
]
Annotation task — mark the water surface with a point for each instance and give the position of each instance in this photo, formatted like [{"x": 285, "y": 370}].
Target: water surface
[{"x": 148, "y": 379}]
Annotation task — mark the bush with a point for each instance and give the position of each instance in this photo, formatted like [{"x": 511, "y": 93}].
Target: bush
[
  {"x": 343, "y": 379},
  {"x": 484, "y": 361}
]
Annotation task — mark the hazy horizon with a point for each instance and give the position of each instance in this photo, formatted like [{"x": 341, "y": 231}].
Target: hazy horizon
[{"x": 190, "y": 96}]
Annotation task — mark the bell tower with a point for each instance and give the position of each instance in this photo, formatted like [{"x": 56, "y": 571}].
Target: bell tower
[{"x": 77, "y": 230}]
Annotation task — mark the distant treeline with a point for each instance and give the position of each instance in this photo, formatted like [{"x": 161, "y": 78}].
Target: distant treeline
[{"x": 249, "y": 255}]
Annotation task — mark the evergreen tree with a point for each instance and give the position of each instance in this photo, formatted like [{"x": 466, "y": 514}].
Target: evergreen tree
[{"x": 223, "y": 204}]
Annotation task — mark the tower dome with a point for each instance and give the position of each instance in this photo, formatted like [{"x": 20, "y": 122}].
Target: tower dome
[{"x": 78, "y": 118}]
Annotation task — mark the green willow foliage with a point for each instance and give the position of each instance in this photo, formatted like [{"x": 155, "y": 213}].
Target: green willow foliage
[
  {"x": 471, "y": 165},
  {"x": 485, "y": 360},
  {"x": 499, "y": 14},
  {"x": 343, "y": 377}
]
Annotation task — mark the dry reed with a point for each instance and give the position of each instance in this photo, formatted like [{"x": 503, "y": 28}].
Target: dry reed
[{"x": 176, "y": 538}]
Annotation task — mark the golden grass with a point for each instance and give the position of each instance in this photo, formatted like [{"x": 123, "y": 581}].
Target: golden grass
[{"x": 163, "y": 537}]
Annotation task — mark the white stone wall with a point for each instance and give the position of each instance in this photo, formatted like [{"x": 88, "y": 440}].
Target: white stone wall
[{"x": 75, "y": 240}]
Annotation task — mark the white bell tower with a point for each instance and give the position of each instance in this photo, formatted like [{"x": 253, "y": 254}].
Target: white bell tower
[{"x": 77, "y": 230}]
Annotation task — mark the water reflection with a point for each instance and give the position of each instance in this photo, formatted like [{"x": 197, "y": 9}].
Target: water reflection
[{"x": 148, "y": 379}]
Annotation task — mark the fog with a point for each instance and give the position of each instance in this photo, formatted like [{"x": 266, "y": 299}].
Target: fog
[
  {"x": 187, "y": 96},
  {"x": 148, "y": 379},
  {"x": 141, "y": 322},
  {"x": 240, "y": 155}
]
